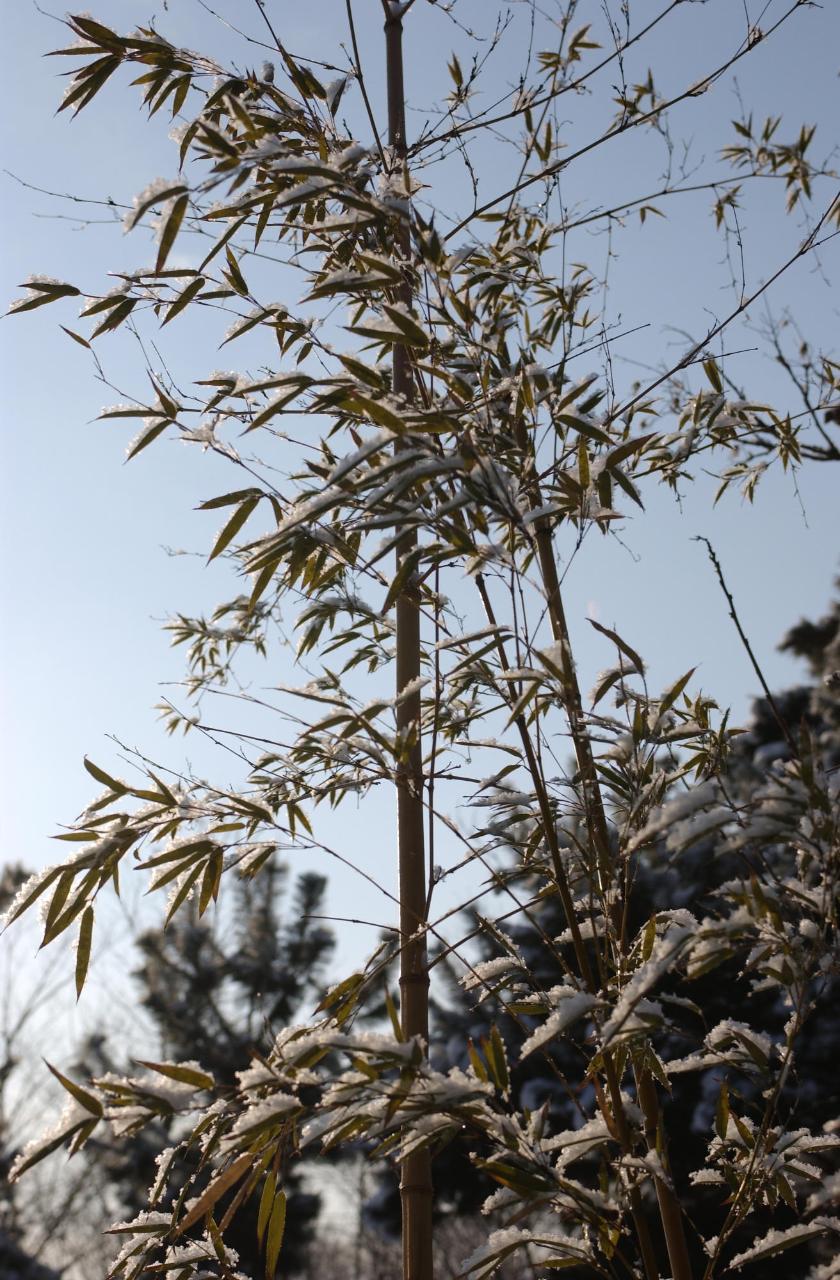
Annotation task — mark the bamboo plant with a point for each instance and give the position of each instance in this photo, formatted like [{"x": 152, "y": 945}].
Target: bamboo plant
[{"x": 456, "y": 453}]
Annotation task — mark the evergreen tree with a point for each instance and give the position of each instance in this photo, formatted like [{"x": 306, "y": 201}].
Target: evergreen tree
[{"x": 215, "y": 994}]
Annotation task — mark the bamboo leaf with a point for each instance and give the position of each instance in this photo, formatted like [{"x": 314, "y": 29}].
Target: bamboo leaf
[
  {"x": 276, "y": 1227},
  {"x": 669, "y": 698},
  {"x": 40, "y": 887},
  {"x": 415, "y": 335},
  {"x": 627, "y": 448},
  {"x": 184, "y": 1075},
  {"x": 77, "y": 337},
  {"x": 217, "y": 1188},
  {"x": 233, "y": 526},
  {"x": 625, "y": 483},
  {"x": 85, "y": 1099},
  {"x": 42, "y": 294},
  {"x": 170, "y": 229},
  {"x": 105, "y": 778},
  {"x": 184, "y": 298},
  {"x": 621, "y": 645},
  {"x": 83, "y": 948},
  {"x": 176, "y": 191},
  {"x": 394, "y": 1016},
  {"x": 183, "y": 893},
  {"x": 228, "y": 499},
  {"x": 713, "y": 374},
  {"x": 115, "y": 316},
  {"x": 237, "y": 279},
  {"x": 209, "y": 891},
  {"x": 266, "y": 1204},
  {"x": 146, "y": 438}
]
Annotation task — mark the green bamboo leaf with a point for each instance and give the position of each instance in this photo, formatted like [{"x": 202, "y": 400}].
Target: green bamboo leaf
[
  {"x": 59, "y": 923},
  {"x": 184, "y": 298},
  {"x": 403, "y": 576},
  {"x": 366, "y": 407},
  {"x": 668, "y": 699},
  {"x": 278, "y": 403},
  {"x": 41, "y": 295},
  {"x": 583, "y": 463},
  {"x": 496, "y": 1056},
  {"x": 183, "y": 893},
  {"x": 217, "y": 1188},
  {"x": 83, "y": 948},
  {"x": 582, "y": 426},
  {"x": 209, "y": 891},
  {"x": 276, "y": 1227},
  {"x": 47, "y": 1148},
  {"x": 620, "y": 644},
  {"x": 105, "y": 778},
  {"x": 394, "y": 1016},
  {"x": 348, "y": 987},
  {"x": 176, "y": 191},
  {"x": 182, "y": 852},
  {"x": 625, "y": 483},
  {"x": 233, "y": 526},
  {"x": 77, "y": 337},
  {"x": 146, "y": 438},
  {"x": 713, "y": 374},
  {"x": 184, "y": 1075},
  {"x": 261, "y": 581},
  {"x": 476, "y": 1061},
  {"x": 230, "y": 232},
  {"x": 115, "y": 316},
  {"x": 611, "y": 678},
  {"x": 100, "y": 304},
  {"x": 40, "y": 887},
  {"x": 171, "y": 228},
  {"x": 89, "y": 82},
  {"x": 415, "y": 335},
  {"x": 95, "y": 31},
  {"x": 228, "y": 499},
  {"x": 626, "y": 448},
  {"x": 236, "y": 277},
  {"x": 87, "y": 1100},
  {"x": 266, "y": 1204},
  {"x": 304, "y": 81},
  {"x": 60, "y": 896},
  {"x": 141, "y": 411}
]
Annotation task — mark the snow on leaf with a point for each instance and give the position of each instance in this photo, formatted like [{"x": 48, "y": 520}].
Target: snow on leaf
[
  {"x": 767, "y": 1246},
  {"x": 570, "y": 1005},
  {"x": 666, "y": 951}
]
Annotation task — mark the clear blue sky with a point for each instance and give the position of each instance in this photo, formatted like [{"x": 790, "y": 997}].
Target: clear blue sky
[{"x": 85, "y": 577}]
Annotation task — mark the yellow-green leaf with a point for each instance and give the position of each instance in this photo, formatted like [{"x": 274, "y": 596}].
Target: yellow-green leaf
[
  {"x": 233, "y": 526},
  {"x": 217, "y": 1188},
  {"x": 184, "y": 1075},
  {"x": 87, "y": 1100},
  {"x": 83, "y": 948},
  {"x": 276, "y": 1227},
  {"x": 105, "y": 778},
  {"x": 171, "y": 228},
  {"x": 184, "y": 298},
  {"x": 266, "y": 1204}
]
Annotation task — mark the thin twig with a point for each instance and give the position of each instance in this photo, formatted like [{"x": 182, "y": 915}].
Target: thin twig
[
  {"x": 733, "y": 613},
  {"x": 357, "y": 63}
]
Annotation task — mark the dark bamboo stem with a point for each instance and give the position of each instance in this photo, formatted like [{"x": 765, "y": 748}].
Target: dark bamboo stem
[{"x": 416, "y": 1175}]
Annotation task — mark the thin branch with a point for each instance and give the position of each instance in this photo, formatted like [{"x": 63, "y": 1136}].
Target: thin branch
[{"x": 733, "y": 613}]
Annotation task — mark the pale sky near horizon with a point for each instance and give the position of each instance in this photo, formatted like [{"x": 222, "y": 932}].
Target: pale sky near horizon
[{"x": 86, "y": 579}]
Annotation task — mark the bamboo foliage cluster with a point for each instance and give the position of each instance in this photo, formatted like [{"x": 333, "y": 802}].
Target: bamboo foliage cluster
[{"x": 449, "y": 422}]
